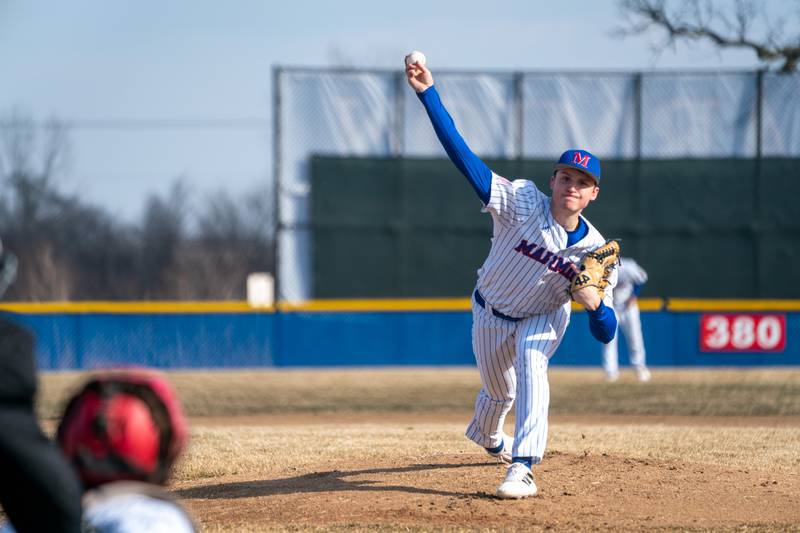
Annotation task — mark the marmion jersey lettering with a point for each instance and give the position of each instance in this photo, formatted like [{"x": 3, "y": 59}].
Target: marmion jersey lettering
[{"x": 529, "y": 266}]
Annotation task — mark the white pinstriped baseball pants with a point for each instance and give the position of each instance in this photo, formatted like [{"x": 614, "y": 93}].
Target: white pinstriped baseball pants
[{"x": 512, "y": 359}]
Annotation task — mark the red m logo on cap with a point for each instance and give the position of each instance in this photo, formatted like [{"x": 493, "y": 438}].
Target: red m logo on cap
[{"x": 580, "y": 160}]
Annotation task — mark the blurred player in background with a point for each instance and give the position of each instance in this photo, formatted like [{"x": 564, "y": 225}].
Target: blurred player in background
[
  {"x": 629, "y": 284},
  {"x": 123, "y": 431},
  {"x": 39, "y": 491},
  {"x": 521, "y": 304}
]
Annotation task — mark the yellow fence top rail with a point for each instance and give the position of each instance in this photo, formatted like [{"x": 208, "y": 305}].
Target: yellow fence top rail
[
  {"x": 366, "y": 305},
  {"x": 387, "y": 304},
  {"x": 235, "y": 306},
  {"x": 142, "y": 307},
  {"x": 690, "y": 305}
]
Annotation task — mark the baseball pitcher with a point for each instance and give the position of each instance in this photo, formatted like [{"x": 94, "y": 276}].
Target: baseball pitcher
[{"x": 543, "y": 254}]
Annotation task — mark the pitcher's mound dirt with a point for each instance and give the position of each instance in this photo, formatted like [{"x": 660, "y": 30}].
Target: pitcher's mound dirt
[{"x": 576, "y": 492}]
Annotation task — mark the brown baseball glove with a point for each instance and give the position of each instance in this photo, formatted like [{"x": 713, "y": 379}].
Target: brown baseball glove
[{"x": 596, "y": 267}]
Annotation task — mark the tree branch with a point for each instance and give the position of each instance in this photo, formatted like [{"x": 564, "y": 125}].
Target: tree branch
[{"x": 694, "y": 21}]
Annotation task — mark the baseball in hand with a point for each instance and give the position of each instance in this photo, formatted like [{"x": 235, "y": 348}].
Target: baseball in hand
[{"x": 415, "y": 57}]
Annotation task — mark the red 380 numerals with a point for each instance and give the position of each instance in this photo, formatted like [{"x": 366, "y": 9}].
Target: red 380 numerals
[{"x": 742, "y": 333}]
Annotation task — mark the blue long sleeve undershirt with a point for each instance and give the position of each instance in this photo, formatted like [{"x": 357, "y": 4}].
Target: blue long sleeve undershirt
[
  {"x": 603, "y": 320},
  {"x": 475, "y": 170},
  {"x": 603, "y": 323}
]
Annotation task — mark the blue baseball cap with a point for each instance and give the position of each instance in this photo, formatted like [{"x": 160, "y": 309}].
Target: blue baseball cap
[{"x": 581, "y": 160}]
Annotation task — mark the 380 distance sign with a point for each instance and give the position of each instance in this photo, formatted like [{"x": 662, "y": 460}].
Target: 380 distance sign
[{"x": 742, "y": 333}]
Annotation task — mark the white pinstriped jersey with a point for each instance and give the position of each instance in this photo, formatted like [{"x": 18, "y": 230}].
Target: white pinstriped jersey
[{"x": 527, "y": 271}]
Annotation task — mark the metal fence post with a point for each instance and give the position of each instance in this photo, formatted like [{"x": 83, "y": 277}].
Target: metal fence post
[
  {"x": 276, "y": 178},
  {"x": 398, "y": 143},
  {"x": 520, "y": 110},
  {"x": 638, "y": 96},
  {"x": 757, "y": 211}
]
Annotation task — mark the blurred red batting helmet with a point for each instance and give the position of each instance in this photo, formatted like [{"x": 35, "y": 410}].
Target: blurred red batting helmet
[{"x": 123, "y": 425}]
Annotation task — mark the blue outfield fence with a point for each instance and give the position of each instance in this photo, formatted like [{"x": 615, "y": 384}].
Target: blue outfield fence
[{"x": 346, "y": 333}]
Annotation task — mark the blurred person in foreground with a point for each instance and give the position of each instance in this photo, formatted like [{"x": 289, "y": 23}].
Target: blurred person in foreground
[
  {"x": 629, "y": 284},
  {"x": 123, "y": 432},
  {"x": 38, "y": 489}
]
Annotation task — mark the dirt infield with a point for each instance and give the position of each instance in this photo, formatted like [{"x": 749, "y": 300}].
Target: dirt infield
[
  {"x": 299, "y": 451},
  {"x": 577, "y": 492},
  {"x": 406, "y": 475}
]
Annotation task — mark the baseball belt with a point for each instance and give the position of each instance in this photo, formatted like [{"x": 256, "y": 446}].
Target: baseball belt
[{"x": 482, "y": 302}]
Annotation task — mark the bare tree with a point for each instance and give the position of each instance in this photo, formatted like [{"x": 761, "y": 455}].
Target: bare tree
[
  {"x": 163, "y": 233},
  {"x": 28, "y": 161},
  {"x": 44, "y": 277},
  {"x": 233, "y": 238},
  {"x": 29, "y": 157},
  {"x": 740, "y": 24},
  {"x": 68, "y": 249}
]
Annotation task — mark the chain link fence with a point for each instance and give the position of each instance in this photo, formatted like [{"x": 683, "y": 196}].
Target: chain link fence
[{"x": 672, "y": 140}]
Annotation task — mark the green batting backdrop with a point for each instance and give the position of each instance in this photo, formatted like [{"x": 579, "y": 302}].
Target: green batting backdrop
[{"x": 702, "y": 228}]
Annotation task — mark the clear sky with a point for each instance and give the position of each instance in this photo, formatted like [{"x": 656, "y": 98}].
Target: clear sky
[{"x": 197, "y": 60}]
